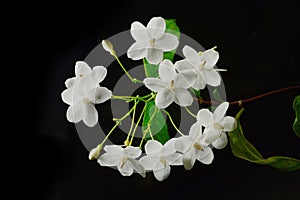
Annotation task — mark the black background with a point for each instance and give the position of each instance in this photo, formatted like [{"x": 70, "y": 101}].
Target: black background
[{"x": 258, "y": 43}]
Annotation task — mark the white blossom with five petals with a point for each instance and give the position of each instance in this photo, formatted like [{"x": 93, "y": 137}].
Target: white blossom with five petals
[
  {"x": 83, "y": 91},
  {"x": 159, "y": 158},
  {"x": 151, "y": 41},
  {"x": 200, "y": 64},
  {"x": 123, "y": 158},
  {"x": 171, "y": 86},
  {"x": 194, "y": 147},
  {"x": 216, "y": 125}
]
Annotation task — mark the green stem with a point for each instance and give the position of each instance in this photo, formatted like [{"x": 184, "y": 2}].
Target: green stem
[
  {"x": 132, "y": 121},
  {"x": 118, "y": 122},
  {"x": 172, "y": 122},
  {"x": 188, "y": 111},
  {"x": 137, "y": 123},
  {"x": 134, "y": 80}
]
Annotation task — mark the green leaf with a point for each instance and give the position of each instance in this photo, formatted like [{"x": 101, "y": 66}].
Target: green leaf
[
  {"x": 217, "y": 95},
  {"x": 196, "y": 92},
  {"x": 155, "y": 122},
  {"x": 243, "y": 149},
  {"x": 152, "y": 70},
  {"x": 296, "y": 106}
]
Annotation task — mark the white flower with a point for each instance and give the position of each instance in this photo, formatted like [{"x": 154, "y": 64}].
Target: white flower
[
  {"x": 216, "y": 124},
  {"x": 95, "y": 152},
  {"x": 202, "y": 65},
  {"x": 151, "y": 41},
  {"x": 107, "y": 46},
  {"x": 194, "y": 147},
  {"x": 159, "y": 158},
  {"x": 124, "y": 159},
  {"x": 170, "y": 87},
  {"x": 83, "y": 91}
]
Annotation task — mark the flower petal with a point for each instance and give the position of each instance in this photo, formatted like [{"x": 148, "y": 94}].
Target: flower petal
[
  {"x": 132, "y": 152},
  {"x": 109, "y": 160},
  {"x": 154, "y": 56},
  {"x": 137, "y": 51},
  {"x": 229, "y": 123},
  {"x": 205, "y": 156},
  {"x": 91, "y": 116},
  {"x": 169, "y": 147},
  {"x": 174, "y": 159},
  {"x": 76, "y": 112},
  {"x": 195, "y": 131},
  {"x": 99, "y": 95},
  {"x": 138, "y": 31},
  {"x": 156, "y": 27},
  {"x": 191, "y": 55},
  {"x": 221, "y": 142},
  {"x": 183, "y": 143},
  {"x": 125, "y": 169},
  {"x": 190, "y": 77},
  {"x": 211, "y": 134},
  {"x": 183, "y": 65},
  {"x": 70, "y": 82},
  {"x": 164, "y": 98},
  {"x": 137, "y": 166},
  {"x": 99, "y": 73},
  {"x": 220, "y": 111},
  {"x": 82, "y": 69},
  {"x": 183, "y": 97},
  {"x": 212, "y": 77},
  {"x": 153, "y": 147},
  {"x": 68, "y": 96},
  {"x": 188, "y": 159},
  {"x": 166, "y": 71},
  {"x": 149, "y": 162},
  {"x": 163, "y": 173},
  {"x": 200, "y": 83},
  {"x": 85, "y": 84},
  {"x": 155, "y": 84},
  {"x": 167, "y": 42},
  {"x": 211, "y": 57},
  {"x": 181, "y": 82},
  {"x": 204, "y": 117},
  {"x": 114, "y": 149}
]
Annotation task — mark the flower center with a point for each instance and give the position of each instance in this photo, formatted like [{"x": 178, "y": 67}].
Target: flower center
[
  {"x": 152, "y": 42},
  {"x": 163, "y": 160},
  {"x": 218, "y": 126},
  {"x": 172, "y": 85},
  {"x": 81, "y": 75},
  {"x": 125, "y": 158},
  {"x": 197, "y": 146},
  {"x": 86, "y": 101},
  {"x": 202, "y": 64}
]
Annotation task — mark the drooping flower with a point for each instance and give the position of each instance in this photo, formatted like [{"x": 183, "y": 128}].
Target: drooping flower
[
  {"x": 194, "y": 147},
  {"x": 107, "y": 46},
  {"x": 124, "y": 159},
  {"x": 95, "y": 152},
  {"x": 216, "y": 124},
  {"x": 200, "y": 64},
  {"x": 171, "y": 86},
  {"x": 83, "y": 91},
  {"x": 151, "y": 41},
  {"x": 159, "y": 158}
]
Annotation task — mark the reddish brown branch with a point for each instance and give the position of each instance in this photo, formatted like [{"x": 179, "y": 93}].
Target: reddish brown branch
[{"x": 244, "y": 101}]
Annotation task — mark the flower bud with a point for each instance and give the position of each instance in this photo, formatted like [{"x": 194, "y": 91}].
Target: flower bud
[
  {"x": 107, "y": 45},
  {"x": 94, "y": 153}
]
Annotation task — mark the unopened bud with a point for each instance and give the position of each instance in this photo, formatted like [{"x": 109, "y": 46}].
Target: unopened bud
[
  {"x": 126, "y": 142},
  {"x": 107, "y": 45},
  {"x": 94, "y": 153}
]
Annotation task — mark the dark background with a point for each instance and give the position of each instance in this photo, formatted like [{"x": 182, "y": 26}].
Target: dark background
[{"x": 258, "y": 43}]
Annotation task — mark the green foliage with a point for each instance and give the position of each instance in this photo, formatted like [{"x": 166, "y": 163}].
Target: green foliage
[
  {"x": 296, "y": 106},
  {"x": 243, "y": 149},
  {"x": 152, "y": 70},
  {"x": 154, "y": 122}
]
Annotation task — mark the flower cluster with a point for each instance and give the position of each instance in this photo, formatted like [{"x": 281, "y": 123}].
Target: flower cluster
[{"x": 174, "y": 80}]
